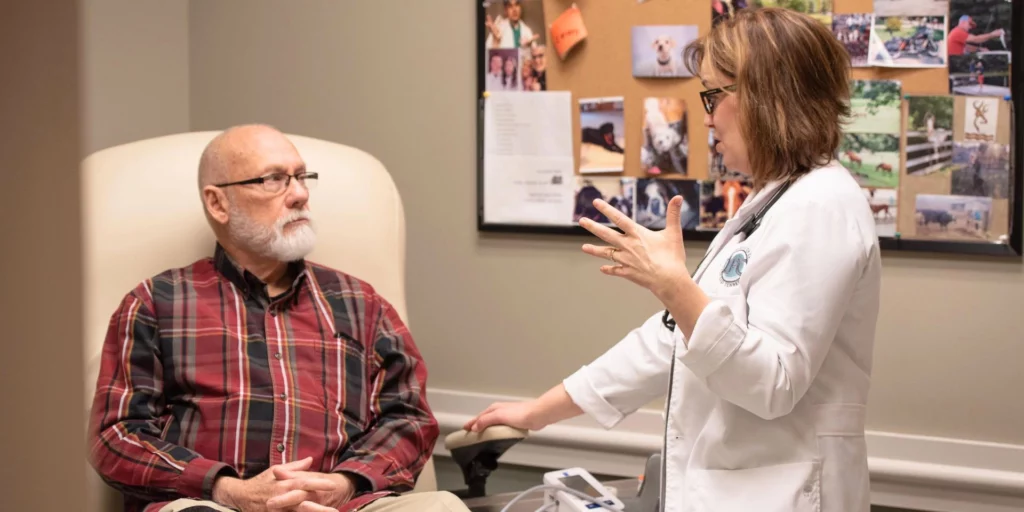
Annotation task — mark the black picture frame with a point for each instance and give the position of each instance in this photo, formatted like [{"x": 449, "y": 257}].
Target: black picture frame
[{"x": 1013, "y": 249}]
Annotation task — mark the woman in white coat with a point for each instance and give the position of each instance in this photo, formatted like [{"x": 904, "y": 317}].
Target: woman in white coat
[{"x": 766, "y": 347}]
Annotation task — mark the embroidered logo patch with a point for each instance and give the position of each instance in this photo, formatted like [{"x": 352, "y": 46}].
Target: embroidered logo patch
[{"x": 734, "y": 266}]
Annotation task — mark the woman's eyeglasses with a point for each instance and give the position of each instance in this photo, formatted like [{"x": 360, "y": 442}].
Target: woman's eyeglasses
[{"x": 711, "y": 97}]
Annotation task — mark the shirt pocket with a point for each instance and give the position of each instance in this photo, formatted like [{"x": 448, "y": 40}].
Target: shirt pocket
[
  {"x": 350, "y": 368},
  {"x": 791, "y": 487}
]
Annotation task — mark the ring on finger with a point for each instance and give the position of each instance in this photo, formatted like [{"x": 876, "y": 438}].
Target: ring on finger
[{"x": 611, "y": 255}]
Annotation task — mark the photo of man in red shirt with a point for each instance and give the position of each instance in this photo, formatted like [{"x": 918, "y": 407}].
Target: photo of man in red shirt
[{"x": 961, "y": 41}]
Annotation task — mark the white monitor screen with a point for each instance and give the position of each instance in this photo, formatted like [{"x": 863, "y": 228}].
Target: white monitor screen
[{"x": 578, "y": 483}]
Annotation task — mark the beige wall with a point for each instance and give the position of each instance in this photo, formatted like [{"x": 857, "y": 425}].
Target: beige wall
[
  {"x": 514, "y": 314},
  {"x": 43, "y": 419},
  {"x": 135, "y": 70}
]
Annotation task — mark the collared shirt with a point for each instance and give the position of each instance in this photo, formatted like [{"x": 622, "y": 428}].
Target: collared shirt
[{"x": 203, "y": 374}]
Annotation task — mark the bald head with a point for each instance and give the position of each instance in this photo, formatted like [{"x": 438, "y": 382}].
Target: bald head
[{"x": 238, "y": 151}]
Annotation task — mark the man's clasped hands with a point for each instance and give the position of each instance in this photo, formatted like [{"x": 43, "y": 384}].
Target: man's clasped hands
[{"x": 286, "y": 488}]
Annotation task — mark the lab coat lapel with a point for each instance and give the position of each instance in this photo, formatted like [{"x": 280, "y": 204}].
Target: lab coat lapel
[{"x": 745, "y": 211}]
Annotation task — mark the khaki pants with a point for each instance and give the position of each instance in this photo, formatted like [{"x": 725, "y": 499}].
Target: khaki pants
[{"x": 438, "y": 501}]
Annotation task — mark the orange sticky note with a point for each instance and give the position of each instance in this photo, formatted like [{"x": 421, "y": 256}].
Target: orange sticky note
[{"x": 568, "y": 30}]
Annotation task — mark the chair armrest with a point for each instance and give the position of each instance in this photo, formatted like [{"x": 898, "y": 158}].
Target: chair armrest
[
  {"x": 477, "y": 454},
  {"x": 495, "y": 433}
]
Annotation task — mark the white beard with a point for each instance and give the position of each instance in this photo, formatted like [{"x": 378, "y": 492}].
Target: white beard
[{"x": 273, "y": 242}]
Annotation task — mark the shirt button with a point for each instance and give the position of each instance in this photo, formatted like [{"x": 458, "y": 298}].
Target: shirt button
[
  {"x": 277, "y": 355},
  {"x": 280, "y": 447},
  {"x": 283, "y": 396}
]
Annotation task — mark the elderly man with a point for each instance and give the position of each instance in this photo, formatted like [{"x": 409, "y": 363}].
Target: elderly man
[{"x": 254, "y": 380}]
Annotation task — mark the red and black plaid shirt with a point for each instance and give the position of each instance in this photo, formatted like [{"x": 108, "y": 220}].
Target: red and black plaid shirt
[{"x": 204, "y": 375}]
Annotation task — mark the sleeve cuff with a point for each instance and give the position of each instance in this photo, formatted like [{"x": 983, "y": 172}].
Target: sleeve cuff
[
  {"x": 196, "y": 481},
  {"x": 714, "y": 339},
  {"x": 582, "y": 392},
  {"x": 368, "y": 478}
]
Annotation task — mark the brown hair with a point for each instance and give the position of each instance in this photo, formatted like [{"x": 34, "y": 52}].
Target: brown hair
[{"x": 792, "y": 83}]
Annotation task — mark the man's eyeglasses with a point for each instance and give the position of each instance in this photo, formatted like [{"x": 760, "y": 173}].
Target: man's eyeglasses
[
  {"x": 278, "y": 181},
  {"x": 711, "y": 97}
]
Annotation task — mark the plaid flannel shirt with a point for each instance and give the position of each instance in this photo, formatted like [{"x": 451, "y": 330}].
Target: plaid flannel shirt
[{"x": 203, "y": 374}]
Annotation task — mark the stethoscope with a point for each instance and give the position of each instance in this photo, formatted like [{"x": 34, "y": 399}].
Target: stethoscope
[{"x": 747, "y": 229}]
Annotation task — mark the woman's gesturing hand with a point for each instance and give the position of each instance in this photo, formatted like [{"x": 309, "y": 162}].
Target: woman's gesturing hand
[{"x": 655, "y": 260}]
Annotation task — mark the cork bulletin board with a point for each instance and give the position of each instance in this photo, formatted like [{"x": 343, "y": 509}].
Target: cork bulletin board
[{"x": 935, "y": 157}]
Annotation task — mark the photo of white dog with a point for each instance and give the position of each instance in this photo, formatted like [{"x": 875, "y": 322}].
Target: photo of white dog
[
  {"x": 665, "y": 146},
  {"x": 658, "y": 50}
]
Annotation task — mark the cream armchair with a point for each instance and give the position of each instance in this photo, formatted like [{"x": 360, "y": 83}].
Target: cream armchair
[{"x": 142, "y": 214}]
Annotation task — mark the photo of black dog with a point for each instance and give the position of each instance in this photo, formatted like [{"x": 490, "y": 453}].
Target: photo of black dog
[
  {"x": 602, "y": 129},
  {"x": 603, "y": 136}
]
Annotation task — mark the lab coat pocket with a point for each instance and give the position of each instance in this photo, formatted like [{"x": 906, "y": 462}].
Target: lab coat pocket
[{"x": 793, "y": 487}]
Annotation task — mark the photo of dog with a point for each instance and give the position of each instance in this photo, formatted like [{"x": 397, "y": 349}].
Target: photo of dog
[
  {"x": 666, "y": 145},
  {"x": 658, "y": 50},
  {"x": 620, "y": 193},
  {"x": 653, "y": 196},
  {"x": 603, "y": 135}
]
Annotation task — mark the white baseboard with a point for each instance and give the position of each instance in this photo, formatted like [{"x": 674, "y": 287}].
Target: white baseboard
[{"x": 914, "y": 472}]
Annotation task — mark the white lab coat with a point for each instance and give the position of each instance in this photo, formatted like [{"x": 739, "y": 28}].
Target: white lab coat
[
  {"x": 507, "y": 36},
  {"x": 767, "y": 398}
]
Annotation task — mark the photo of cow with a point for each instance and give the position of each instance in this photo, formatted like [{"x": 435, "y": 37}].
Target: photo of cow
[{"x": 952, "y": 217}]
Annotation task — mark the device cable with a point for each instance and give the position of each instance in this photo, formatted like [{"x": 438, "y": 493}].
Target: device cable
[{"x": 574, "y": 492}]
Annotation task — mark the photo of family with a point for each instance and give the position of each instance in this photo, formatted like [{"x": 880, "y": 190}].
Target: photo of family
[
  {"x": 515, "y": 46},
  {"x": 603, "y": 135},
  {"x": 658, "y": 50},
  {"x": 618, "y": 192},
  {"x": 665, "y": 148},
  {"x": 883, "y": 208},
  {"x": 911, "y": 7},
  {"x": 982, "y": 169},
  {"x": 854, "y": 31},
  {"x": 908, "y": 42},
  {"x": 952, "y": 217},
  {"x": 872, "y": 158},
  {"x": 876, "y": 106},
  {"x": 653, "y": 196},
  {"x": 720, "y": 200},
  {"x": 929, "y": 134}
]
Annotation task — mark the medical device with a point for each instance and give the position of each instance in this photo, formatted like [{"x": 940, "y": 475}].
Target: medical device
[
  {"x": 559, "y": 498},
  {"x": 576, "y": 490}
]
